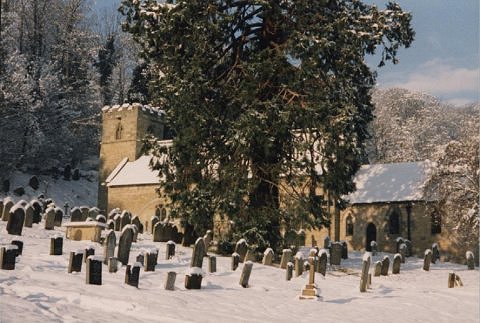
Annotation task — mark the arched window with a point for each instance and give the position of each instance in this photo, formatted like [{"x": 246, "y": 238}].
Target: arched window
[
  {"x": 394, "y": 222},
  {"x": 349, "y": 226},
  {"x": 436, "y": 223},
  {"x": 118, "y": 132}
]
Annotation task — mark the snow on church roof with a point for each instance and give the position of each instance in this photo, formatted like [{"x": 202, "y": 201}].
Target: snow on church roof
[
  {"x": 392, "y": 182},
  {"x": 130, "y": 106},
  {"x": 137, "y": 172}
]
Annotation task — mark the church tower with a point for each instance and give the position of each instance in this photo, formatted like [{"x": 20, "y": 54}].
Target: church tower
[{"x": 123, "y": 128}]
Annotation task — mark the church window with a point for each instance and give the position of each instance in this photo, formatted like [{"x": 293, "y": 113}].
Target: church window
[
  {"x": 394, "y": 222},
  {"x": 436, "y": 223},
  {"x": 349, "y": 226},
  {"x": 118, "y": 132}
]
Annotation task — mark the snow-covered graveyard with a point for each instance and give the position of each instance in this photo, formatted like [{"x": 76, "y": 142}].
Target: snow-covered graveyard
[{"x": 41, "y": 289}]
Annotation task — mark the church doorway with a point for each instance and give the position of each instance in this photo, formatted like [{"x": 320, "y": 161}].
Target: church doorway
[{"x": 371, "y": 235}]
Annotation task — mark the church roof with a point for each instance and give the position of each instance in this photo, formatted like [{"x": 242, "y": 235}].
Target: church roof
[
  {"x": 136, "y": 172},
  {"x": 393, "y": 182}
]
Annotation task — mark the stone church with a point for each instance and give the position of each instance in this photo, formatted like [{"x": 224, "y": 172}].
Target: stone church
[{"x": 389, "y": 202}]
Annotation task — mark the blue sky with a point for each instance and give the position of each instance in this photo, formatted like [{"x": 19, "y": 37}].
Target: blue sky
[{"x": 444, "y": 58}]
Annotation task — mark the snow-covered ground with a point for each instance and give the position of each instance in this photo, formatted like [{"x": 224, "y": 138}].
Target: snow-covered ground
[{"x": 41, "y": 290}]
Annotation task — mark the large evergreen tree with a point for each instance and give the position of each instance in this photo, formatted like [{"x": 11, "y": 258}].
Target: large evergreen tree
[{"x": 264, "y": 96}]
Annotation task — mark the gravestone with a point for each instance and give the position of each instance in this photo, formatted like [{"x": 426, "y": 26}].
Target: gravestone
[
  {"x": 344, "y": 249},
  {"x": 94, "y": 270},
  {"x": 111, "y": 225},
  {"x": 112, "y": 265},
  {"x": 435, "y": 253},
  {"x": 470, "y": 260},
  {"x": 118, "y": 224},
  {"x": 7, "y": 205},
  {"x": 49, "y": 218},
  {"x": 241, "y": 249},
  {"x": 286, "y": 258},
  {"x": 268, "y": 257},
  {"x": 124, "y": 245},
  {"x": 113, "y": 212},
  {"x": 101, "y": 218},
  {"x": 109, "y": 244},
  {"x": 34, "y": 183},
  {"x": 212, "y": 264},
  {"x": 306, "y": 266},
  {"x": 207, "y": 238},
  {"x": 135, "y": 231},
  {"x": 385, "y": 265},
  {"x": 378, "y": 269},
  {"x": 326, "y": 243},
  {"x": 397, "y": 260},
  {"x": 7, "y": 257},
  {"x": 89, "y": 251},
  {"x": 402, "y": 250},
  {"x": 37, "y": 213},
  {"x": 140, "y": 257},
  {"x": 193, "y": 278},
  {"x": 29, "y": 211},
  {"x": 56, "y": 246},
  {"x": 235, "y": 260},
  {"x": 154, "y": 220},
  {"x": 250, "y": 256},
  {"x": 93, "y": 212},
  {"x": 408, "y": 243},
  {"x": 137, "y": 223},
  {"x": 132, "y": 274},
  {"x": 75, "y": 262},
  {"x": 298, "y": 264},
  {"x": 15, "y": 220},
  {"x": 1, "y": 208},
  {"x": 427, "y": 259},
  {"x": 84, "y": 210},
  {"x": 198, "y": 253},
  {"x": 335, "y": 253},
  {"x": 364, "y": 275},
  {"x": 289, "y": 271},
  {"x": 454, "y": 280},
  {"x": 169, "y": 250},
  {"x": 374, "y": 247},
  {"x": 245, "y": 276},
  {"x": 399, "y": 241},
  {"x": 322, "y": 262},
  {"x": 58, "y": 217},
  {"x": 125, "y": 218},
  {"x": 19, "y": 245},
  {"x": 76, "y": 215},
  {"x": 150, "y": 260},
  {"x": 170, "y": 280}
]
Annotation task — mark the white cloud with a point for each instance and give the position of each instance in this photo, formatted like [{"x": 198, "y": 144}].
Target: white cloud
[{"x": 440, "y": 78}]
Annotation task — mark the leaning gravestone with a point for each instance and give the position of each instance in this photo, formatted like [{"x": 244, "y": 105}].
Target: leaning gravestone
[
  {"x": 109, "y": 244},
  {"x": 169, "y": 250},
  {"x": 150, "y": 259},
  {"x": 268, "y": 257},
  {"x": 385, "y": 265},
  {"x": 170, "y": 280},
  {"x": 397, "y": 260},
  {"x": 364, "y": 276},
  {"x": 19, "y": 245},
  {"x": 378, "y": 269},
  {"x": 132, "y": 274},
  {"x": 298, "y": 264},
  {"x": 124, "y": 245},
  {"x": 58, "y": 217},
  {"x": 427, "y": 259},
  {"x": 289, "y": 271},
  {"x": 435, "y": 253},
  {"x": 29, "y": 210},
  {"x": 235, "y": 260},
  {"x": 56, "y": 245},
  {"x": 7, "y": 257},
  {"x": 322, "y": 262},
  {"x": 198, "y": 253},
  {"x": 286, "y": 258},
  {"x": 212, "y": 264},
  {"x": 49, "y": 218},
  {"x": 75, "y": 261},
  {"x": 470, "y": 260},
  {"x": 76, "y": 215},
  {"x": 245, "y": 276},
  {"x": 94, "y": 270},
  {"x": 7, "y": 205},
  {"x": 241, "y": 249},
  {"x": 335, "y": 253},
  {"x": 402, "y": 250},
  {"x": 15, "y": 220}
]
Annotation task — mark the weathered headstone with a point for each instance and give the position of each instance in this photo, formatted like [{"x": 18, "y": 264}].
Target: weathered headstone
[
  {"x": 250, "y": 256},
  {"x": 19, "y": 245},
  {"x": 193, "y": 278},
  {"x": 7, "y": 257},
  {"x": 7, "y": 205},
  {"x": 298, "y": 264},
  {"x": 198, "y": 253},
  {"x": 286, "y": 258},
  {"x": 427, "y": 259},
  {"x": 470, "y": 260},
  {"x": 344, "y": 249},
  {"x": 58, "y": 217},
  {"x": 93, "y": 212},
  {"x": 124, "y": 245},
  {"x": 364, "y": 275},
  {"x": 153, "y": 220},
  {"x": 322, "y": 262},
  {"x": 268, "y": 257},
  {"x": 94, "y": 270},
  {"x": 49, "y": 218},
  {"x": 118, "y": 224},
  {"x": 135, "y": 231},
  {"x": 335, "y": 254},
  {"x": 378, "y": 269},
  {"x": 241, "y": 248},
  {"x": 56, "y": 246},
  {"x": 113, "y": 212},
  {"x": 170, "y": 280},
  {"x": 454, "y": 280},
  {"x": 75, "y": 262},
  {"x": 88, "y": 251},
  {"x": 289, "y": 270},
  {"x": 112, "y": 265},
  {"x": 29, "y": 211},
  {"x": 385, "y": 265},
  {"x": 150, "y": 259},
  {"x": 109, "y": 244},
  {"x": 399, "y": 241},
  {"x": 408, "y": 243},
  {"x": 402, "y": 250},
  {"x": 132, "y": 274},
  {"x": 125, "y": 218},
  {"x": 397, "y": 260},
  {"x": 76, "y": 215},
  {"x": 136, "y": 221},
  {"x": 374, "y": 247},
  {"x": 169, "y": 250},
  {"x": 37, "y": 213},
  {"x": 235, "y": 260},
  {"x": 15, "y": 220},
  {"x": 111, "y": 225},
  {"x": 435, "y": 253},
  {"x": 207, "y": 238},
  {"x": 212, "y": 264},
  {"x": 245, "y": 276},
  {"x": 140, "y": 257},
  {"x": 101, "y": 218}
]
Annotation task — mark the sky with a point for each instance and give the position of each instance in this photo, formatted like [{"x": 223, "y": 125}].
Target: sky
[{"x": 444, "y": 58}]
